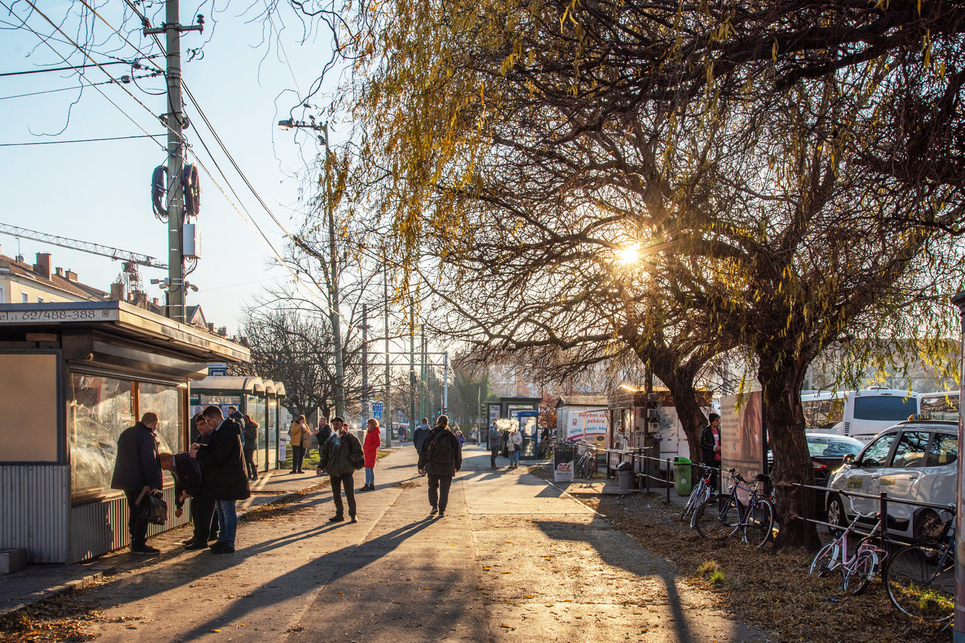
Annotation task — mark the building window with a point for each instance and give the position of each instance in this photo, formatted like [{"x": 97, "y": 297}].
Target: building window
[
  {"x": 40, "y": 300},
  {"x": 23, "y": 298}
]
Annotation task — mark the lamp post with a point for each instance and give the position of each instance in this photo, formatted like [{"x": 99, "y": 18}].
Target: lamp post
[{"x": 333, "y": 296}]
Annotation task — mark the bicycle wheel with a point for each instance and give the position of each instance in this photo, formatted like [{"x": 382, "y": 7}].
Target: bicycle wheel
[
  {"x": 859, "y": 574},
  {"x": 692, "y": 502},
  {"x": 712, "y": 524},
  {"x": 760, "y": 522},
  {"x": 921, "y": 582},
  {"x": 826, "y": 562}
]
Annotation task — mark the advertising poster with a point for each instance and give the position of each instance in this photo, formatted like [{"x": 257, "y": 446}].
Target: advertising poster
[
  {"x": 742, "y": 444},
  {"x": 563, "y": 463}
]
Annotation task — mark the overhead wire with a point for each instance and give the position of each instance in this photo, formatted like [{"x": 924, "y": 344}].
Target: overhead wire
[
  {"x": 153, "y": 74},
  {"x": 81, "y": 49},
  {"x": 82, "y": 140}
]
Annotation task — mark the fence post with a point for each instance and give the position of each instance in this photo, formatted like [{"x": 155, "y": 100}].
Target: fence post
[
  {"x": 668, "y": 481},
  {"x": 883, "y": 508}
]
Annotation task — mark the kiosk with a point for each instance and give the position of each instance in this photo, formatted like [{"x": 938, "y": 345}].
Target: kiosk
[{"x": 73, "y": 376}]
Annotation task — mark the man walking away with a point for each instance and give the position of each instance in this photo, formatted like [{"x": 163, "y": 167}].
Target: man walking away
[
  {"x": 224, "y": 478},
  {"x": 494, "y": 438},
  {"x": 440, "y": 459},
  {"x": 339, "y": 456},
  {"x": 420, "y": 434},
  {"x": 137, "y": 466}
]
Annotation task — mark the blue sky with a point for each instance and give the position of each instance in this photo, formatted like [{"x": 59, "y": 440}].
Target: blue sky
[{"x": 100, "y": 191}]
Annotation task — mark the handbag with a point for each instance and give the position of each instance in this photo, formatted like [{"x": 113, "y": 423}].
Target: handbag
[{"x": 153, "y": 509}]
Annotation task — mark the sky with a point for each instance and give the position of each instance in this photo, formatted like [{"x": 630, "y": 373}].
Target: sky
[{"x": 100, "y": 191}]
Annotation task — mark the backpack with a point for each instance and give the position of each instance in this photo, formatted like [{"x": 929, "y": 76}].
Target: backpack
[{"x": 440, "y": 449}]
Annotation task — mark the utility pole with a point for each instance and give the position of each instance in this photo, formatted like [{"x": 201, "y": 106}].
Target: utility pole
[
  {"x": 445, "y": 383},
  {"x": 387, "y": 404},
  {"x": 411, "y": 365},
  {"x": 174, "y": 121},
  {"x": 333, "y": 285},
  {"x": 365, "y": 362}
]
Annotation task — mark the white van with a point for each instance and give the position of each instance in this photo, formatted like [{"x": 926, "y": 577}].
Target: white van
[
  {"x": 940, "y": 406},
  {"x": 858, "y": 414}
]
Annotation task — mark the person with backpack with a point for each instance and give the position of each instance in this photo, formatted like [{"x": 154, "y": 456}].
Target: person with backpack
[
  {"x": 440, "y": 459},
  {"x": 342, "y": 456}
]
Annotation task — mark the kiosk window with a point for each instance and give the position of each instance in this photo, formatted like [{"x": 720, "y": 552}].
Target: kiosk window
[
  {"x": 165, "y": 400},
  {"x": 28, "y": 408},
  {"x": 100, "y": 408}
]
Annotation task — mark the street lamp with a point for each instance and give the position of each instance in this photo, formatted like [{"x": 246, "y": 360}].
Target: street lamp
[{"x": 333, "y": 296}]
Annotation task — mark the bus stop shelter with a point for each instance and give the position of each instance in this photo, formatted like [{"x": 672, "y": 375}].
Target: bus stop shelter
[{"x": 73, "y": 376}]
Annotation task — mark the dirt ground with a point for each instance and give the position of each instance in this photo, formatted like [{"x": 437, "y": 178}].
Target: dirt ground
[{"x": 773, "y": 592}]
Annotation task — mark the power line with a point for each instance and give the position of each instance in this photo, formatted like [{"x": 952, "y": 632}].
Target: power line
[
  {"x": 71, "y": 68},
  {"x": 153, "y": 74},
  {"x": 82, "y": 140}
]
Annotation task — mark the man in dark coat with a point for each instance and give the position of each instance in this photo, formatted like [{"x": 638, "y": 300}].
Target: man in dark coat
[
  {"x": 710, "y": 448},
  {"x": 224, "y": 478},
  {"x": 136, "y": 467},
  {"x": 338, "y": 456},
  {"x": 440, "y": 459},
  {"x": 420, "y": 434},
  {"x": 187, "y": 482}
]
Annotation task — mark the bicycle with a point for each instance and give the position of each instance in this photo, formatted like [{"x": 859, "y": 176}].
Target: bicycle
[
  {"x": 701, "y": 493},
  {"x": 585, "y": 466},
  {"x": 860, "y": 569},
  {"x": 753, "y": 519},
  {"x": 920, "y": 578}
]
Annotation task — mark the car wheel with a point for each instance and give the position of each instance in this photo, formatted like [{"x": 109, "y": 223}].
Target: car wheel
[{"x": 836, "y": 516}]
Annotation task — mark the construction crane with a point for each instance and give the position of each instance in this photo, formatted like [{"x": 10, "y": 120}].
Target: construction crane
[{"x": 84, "y": 246}]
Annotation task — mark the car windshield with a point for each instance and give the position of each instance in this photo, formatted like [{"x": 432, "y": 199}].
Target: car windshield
[{"x": 832, "y": 447}]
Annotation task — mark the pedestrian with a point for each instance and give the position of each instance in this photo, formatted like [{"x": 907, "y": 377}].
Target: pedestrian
[
  {"x": 462, "y": 440},
  {"x": 340, "y": 455},
  {"x": 474, "y": 434},
  {"x": 514, "y": 444},
  {"x": 297, "y": 432},
  {"x": 137, "y": 472},
  {"x": 710, "y": 448},
  {"x": 187, "y": 482},
  {"x": 373, "y": 440},
  {"x": 494, "y": 438},
  {"x": 251, "y": 445},
  {"x": 223, "y": 476},
  {"x": 440, "y": 459},
  {"x": 420, "y": 434}
]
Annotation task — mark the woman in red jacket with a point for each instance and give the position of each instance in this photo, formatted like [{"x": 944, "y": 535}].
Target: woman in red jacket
[{"x": 370, "y": 449}]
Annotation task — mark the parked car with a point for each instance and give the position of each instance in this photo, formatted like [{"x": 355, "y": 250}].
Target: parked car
[
  {"x": 828, "y": 453},
  {"x": 914, "y": 460}
]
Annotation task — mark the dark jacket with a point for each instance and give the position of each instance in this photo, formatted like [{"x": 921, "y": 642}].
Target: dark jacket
[
  {"x": 339, "y": 452},
  {"x": 447, "y": 469},
  {"x": 223, "y": 465},
  {"x": 419, "y": 437},
  {"x": 187, "y": 477},
  {"x": 137, "y": 465},
  {"x": 324, "y": 433},
  {"x": 707, "y": 446}
]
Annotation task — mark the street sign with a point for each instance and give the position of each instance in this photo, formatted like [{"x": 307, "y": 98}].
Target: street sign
[{"x": 377, "y": 408}]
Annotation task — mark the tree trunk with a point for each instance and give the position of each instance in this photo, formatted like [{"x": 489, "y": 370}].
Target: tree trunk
[
  {"x": 689, "y": 413},
  {"x": 792, "y": 461}
]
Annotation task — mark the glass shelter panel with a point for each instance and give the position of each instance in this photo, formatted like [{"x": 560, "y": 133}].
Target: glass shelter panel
[
  {"x": 165, "y": 400},
  {"x": 272, "y": 433},
  {"x": 100, "y": 408},
  {"x": 255, "y": 408}
]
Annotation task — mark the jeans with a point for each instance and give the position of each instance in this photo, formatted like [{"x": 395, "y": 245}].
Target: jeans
[
  {"x": 136, "y": 524},
  {"x": 439, "y": 490},
  {"x": 348, "y": 482},
  {"x": 514, "y": 458},
  {"x": 298, "y": 454},
  {"x": 229, "y": 521},
  {"x": 492, "y": 457},
  {"x": 370, "y": 476}
]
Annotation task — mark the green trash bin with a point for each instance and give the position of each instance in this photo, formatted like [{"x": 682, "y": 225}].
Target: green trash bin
[{"x": 682, "y": 475}]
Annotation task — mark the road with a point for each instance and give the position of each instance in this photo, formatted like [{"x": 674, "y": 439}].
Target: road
[{"x": 515, "y": 559}]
